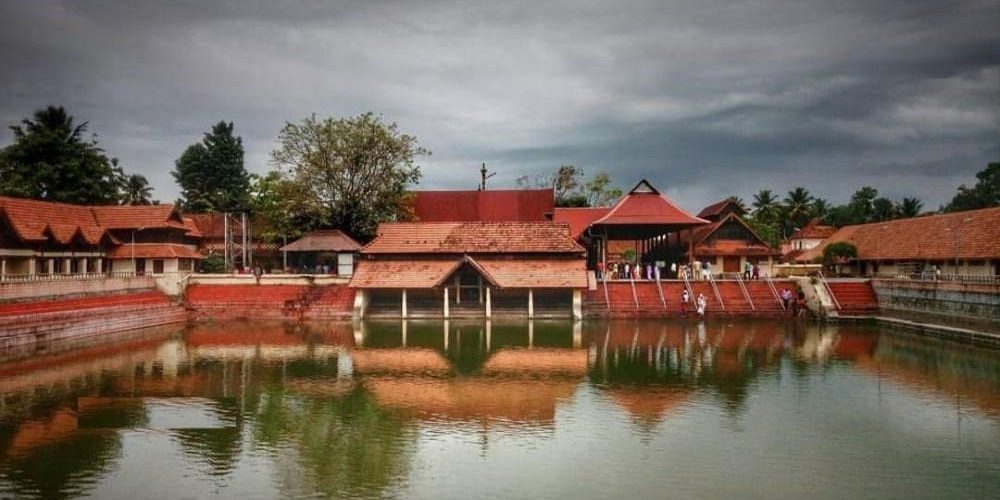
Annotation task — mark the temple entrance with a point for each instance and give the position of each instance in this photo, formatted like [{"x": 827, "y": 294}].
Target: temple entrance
[{"x": 731, "y": 264}]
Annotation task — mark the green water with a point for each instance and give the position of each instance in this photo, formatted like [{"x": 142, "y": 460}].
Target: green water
[{"x": 748, "y": 409}]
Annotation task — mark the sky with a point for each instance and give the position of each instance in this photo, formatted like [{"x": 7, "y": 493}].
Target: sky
[{"x": 704, "y": 98}]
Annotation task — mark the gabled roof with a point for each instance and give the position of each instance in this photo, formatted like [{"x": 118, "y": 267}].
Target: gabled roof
[
  {"x": 645, "y": 205},
  {"x": 325, "y": 240},
  {"x": 138, "y": 216},
  {"x": 483, "y": 206},
  {"x": 715, "y": 210},
  {"x": 579, "y": 219},
  {"x": 410, "y": 273},
  {"x": 813, "y": 230},
  {"x": 972, "y": 235},
  {"x": 472, "y": 238},
  {"x": 154, "y": 251},
  {"x": 37, "y": 221},
  {"x": 727, "y": 247}
]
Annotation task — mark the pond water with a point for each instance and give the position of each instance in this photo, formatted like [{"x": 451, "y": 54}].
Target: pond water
[{"x": 747, "y": 409}]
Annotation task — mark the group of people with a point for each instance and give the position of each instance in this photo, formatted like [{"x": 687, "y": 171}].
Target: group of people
[
  {"x": 695, "y": 271},
  {"x": 701, "y": 304},
  {"x": 626, "y": 270},
  {"x": 795, "y": 302}
]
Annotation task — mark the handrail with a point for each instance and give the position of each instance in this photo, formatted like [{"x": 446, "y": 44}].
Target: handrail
[
  {"x": 774, "y": 292},
  {"x": 746, "y": 294},
  {"x": 635, "y": 297},
  {"x": 687, "y": 286},
  {"x": 829, "y": 291},
  {"x": 986, "y": 279},
  {"x": 32, "y": 278},
  {"x": 607, "y": 298},
  {"x": 715, "y": 288},
  {"x": 659, "y": 289}
]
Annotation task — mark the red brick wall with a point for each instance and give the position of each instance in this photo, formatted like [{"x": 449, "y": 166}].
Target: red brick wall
[
  {"x": 34, "y": 290},
  {"x": 270, "y": 301}
]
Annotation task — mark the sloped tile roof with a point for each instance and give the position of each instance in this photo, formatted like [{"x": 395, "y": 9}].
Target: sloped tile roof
[
  {"x": 579, "y": 219},
  {"x": 325, "y": 240},
  {"x": 534, "y": 273},
  {"x": 970, "y": 235},
  {"x": 645, "y": 205},
  {"x": 483, "y": 206},
  {"x": 31, "y": 219},
  {"x": 813, "y": 230},
  {"x": 718, "y": 208},
  {"x": 138, "y": 216},
  {"x": 155, "y": 251},
  {"x": 703, "y": 247},
  {"x": 414, "y": 273},
  {"x": 472, "y": 238}
]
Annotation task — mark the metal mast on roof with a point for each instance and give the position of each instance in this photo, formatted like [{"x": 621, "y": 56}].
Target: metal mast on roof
[{"x": 483, "y": 176}]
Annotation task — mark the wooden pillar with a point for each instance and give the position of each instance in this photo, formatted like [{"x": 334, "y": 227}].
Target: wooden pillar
[
  {"x": 531, "y": 303},
  {"x": 690, "y": 246},
  {"x": 446, "y": 303},
  {"x": 404, "y": 304},
  {"x": 489, "y": 303}
]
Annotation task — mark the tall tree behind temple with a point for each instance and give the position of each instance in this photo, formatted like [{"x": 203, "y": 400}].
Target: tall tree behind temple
[
  {"x": 354, "y": 172},
  {"x": 985, "y": 194},
  {"x": 136, "y": 190},
  {"x": 51, "y": 159},
  {"x": 571, "y": 190},
  {"x": 211, "y": 173}
]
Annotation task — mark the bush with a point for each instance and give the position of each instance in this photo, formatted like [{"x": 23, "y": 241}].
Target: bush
[
  {"x": 213, "y": 264},
  {"x": 839, "y": 252}
]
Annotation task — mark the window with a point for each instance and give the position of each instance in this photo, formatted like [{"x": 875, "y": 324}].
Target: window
[
  {"x": 184, "y": 264},
  {"x": 158, "y": 266}
]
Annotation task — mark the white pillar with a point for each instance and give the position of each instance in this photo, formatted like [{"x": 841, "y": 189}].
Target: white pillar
[
  {"x": 404, "y": 302},
  {"x": 531, "y": 334},
  {"x": 480, "y": 282},
  {"x": 3, "y": 267},
  {"x": 577, "y": 304},
  {"x": 446, "y": 328},
  {"x": 100, "y": 265},
  {"x": 67, "y": 264},
  {"x": 458, "y": 290},
  {"x": 489, "y": 335},
  {"x": 360, "y": 303},
  {"x": 577, "y": 334},
  {"x": 31, "y": 266},
  {"x": 489, "y": 303},
  {"x": 83, "y": 265},
  {"x": 404, "y": 332},
  {"x": 52, "y": 266},
  {"x": 531, "y": 303},
  {"x": 445, "y": 302}
]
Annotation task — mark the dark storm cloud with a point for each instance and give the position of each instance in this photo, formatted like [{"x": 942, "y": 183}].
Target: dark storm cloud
[{"x": 704, "y": 98}]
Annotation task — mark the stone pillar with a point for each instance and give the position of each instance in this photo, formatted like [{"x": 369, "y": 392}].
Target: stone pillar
[
  {"x": 445, "y": 303},
  {"x": 67, "y": 266},
  {"x": 458, "y": 290},
  {"x": 3, "y": 267},
  {"x": 360, "y": 303},
  {"x": 489, "y": 303},
  {"x": 52, "y": 266},
  {"x": 31, "y": 266},
  {"x": 83, "y": 266},
  {"x": 577, "y": 334},
  {"x": 100, "y": 265},
  {"x": 531, "y": 303},
  {"x": 577, "y": 304},
  {"x": 404, "y": 303}
]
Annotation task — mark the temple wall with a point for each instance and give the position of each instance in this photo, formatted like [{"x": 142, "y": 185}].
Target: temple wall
[
  {"x": 12, "y": 291},
  {"x": 968, "y": 300}
]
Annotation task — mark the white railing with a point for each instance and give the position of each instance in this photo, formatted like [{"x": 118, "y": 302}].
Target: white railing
[
  {"x": 829, "y": 291},
  {"x": 774, "y": 292},
  {"x": 659, "y": 289},
  {"x": 746, "y": 293},
  {"x": 930, "y": 277},
  {"x": 715, "y": 288},
  {"x": 31, "y": 278}
]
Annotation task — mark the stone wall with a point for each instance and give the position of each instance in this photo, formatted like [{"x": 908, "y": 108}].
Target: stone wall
[
  {"x": 972, "y": 301},
  {"x": 17, "y": 291}
]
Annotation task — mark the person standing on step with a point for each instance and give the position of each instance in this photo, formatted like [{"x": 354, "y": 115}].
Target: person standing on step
[
  {"x": 600, "y": 270},
  {"x": 684, "y": 303},
  {"x": 746, "y": 269},
  {"x": 756, "y": 272},
  {"x": 702, "y": 305}
]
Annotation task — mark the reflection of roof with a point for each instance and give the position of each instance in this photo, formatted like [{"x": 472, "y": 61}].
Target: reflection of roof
[
  {"x": 472, "y": 399},
  {"x": 472, "y": 237},
  {"x": 537, "y": 360},
  {"x": 974, "y": 234},
  {"x": 501, "y": 273},
  {"x": 648, "y": 403},
  {"x": 326, "y": 240},
  {"x": 579, "y": 219},
  {"x": 483, "y": 206},
  {"x": 399, "y": 360},
  {"x": 34, "y": 433},
  {"x": 645, "y": 205},
  {"x": 154, "y": 251}
]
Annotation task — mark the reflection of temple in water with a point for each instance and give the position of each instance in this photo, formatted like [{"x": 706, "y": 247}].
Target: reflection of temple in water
[{"x": 282, "y": 383}]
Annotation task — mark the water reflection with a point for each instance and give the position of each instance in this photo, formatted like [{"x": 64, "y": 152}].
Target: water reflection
[{"x": 348, "y": 409}]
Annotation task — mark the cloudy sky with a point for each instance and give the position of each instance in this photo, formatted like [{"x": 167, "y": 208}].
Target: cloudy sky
[{"x": 705, "y": 98}]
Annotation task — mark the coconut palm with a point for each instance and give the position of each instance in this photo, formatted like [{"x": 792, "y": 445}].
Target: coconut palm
[
  {"x": 136, "y": 190},
  {"x": 909, "y": 207},
  {"x": 765, "y": 206},
  {"x": 797, "y": 207},
  {"x": 820, "y": 207}
]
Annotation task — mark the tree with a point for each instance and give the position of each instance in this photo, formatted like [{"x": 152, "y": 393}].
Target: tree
[
  {"x": 352, "y": 172},
  {"x": 839, "y": 253},
  {"x": 883, "y": 209},
  {"x": 797, "y": 208},
  {"x": 211, "y": 173},
  {"x": 571, "y": 190},
  {"x": 765, "y": 207},
  {"x": 820, "y": 207},
  {"x": 861, "y": 207},
  {"x": 283, "y": 206},
  {"x": 984, "y": 194},
  {"x": 599, "y": 191},
  {"x": 909, "y": 207},
  {"x": 50, "y": 159},
  {"x": 136, "y": 190}
]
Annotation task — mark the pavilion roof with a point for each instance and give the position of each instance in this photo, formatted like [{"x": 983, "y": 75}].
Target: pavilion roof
[
  {"x": 703, "y": 247},
  {"x": 973, "y": 234},
  {"x": 579, "y": 219},
  {"x": 472, "y": 238},
  {"x": 324, "y": 240},
  {"x": 644, "y": 205},
  {"x": 813, "y": 230},
  {"x": 154, "y": 251},
  {"x": 499, "y": 272}
]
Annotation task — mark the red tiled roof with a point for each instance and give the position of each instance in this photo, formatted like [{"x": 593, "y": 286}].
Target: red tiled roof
[
  {"x": 716, "y": 209},
  {"x": 533, "y": 273},
  {"x": 483, "y": 206},
  {"x": 645, "y": 205},
  {"x": 974, "y": 235},
  {"x": 813, "y": 230},
  {"x": 472, "y": 238},
  {"x": 192, "y": 228},
  {"x": 326, "y": 240},
  {"x": 415, "y": 273},
  {"x": 579, "y": 219},
  {"x": 138, "y": 216},
  {"x": 34, "y": 220},
  {"x": 210, "y": 225},
  {"x": 727, "y": 247},
  {"x": 155, "y": 251}
]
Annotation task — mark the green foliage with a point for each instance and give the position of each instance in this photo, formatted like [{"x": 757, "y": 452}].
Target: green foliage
[
  {"x": 50, "y": 159},
  {"x": 213, "y": 264},
  {"x": 909, "y": 207},
  {"x": 136, "y": 190},
  {"x": 765, "y": 207},
  {"x": 883, "y": 209},
  {"x": 984, "y": 194},
  {"x": 797, "y": 208},
  {"x": 283, "y": 207},
  {"x": 211, "y": 173},
  {"x": 628, "y": 255},
  {"x": 768, "y": 232},
  {"x": 839, "y": 251},
  {"x": 570, "y": 188},
  {"x": 349, "y": 173}
]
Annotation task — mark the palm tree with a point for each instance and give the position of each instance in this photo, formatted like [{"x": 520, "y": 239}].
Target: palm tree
[
  {"x": 136, "y": 190},
  {"x": 765, "y": 206},
  {"x": 739, "y": 202},
  {"x": 909, "y": 207},
  {"x": 820, "y": 207},
  {"x": 883, "y": 209},
  {"x": 798, "y": 207}
]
